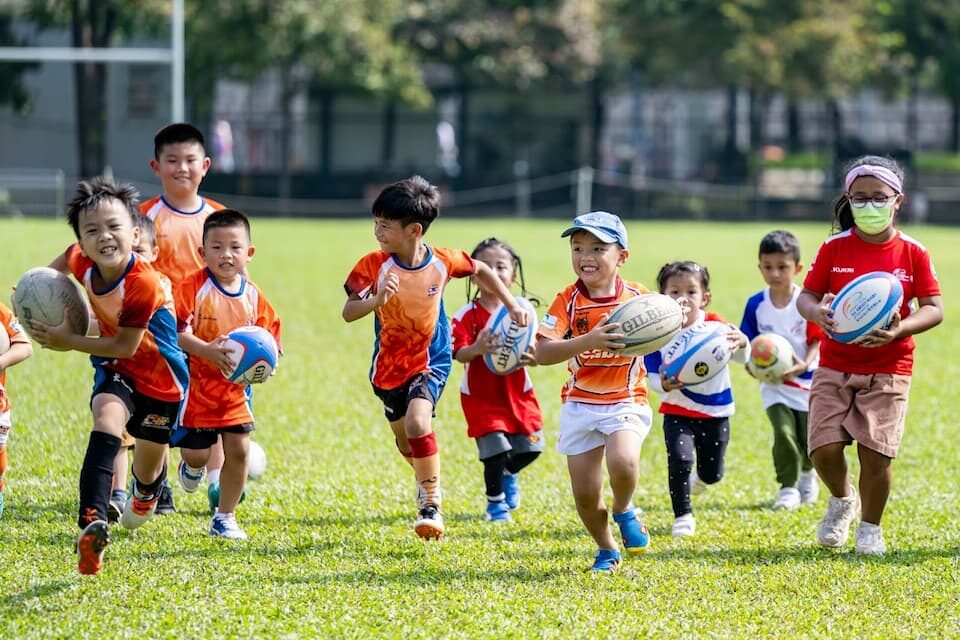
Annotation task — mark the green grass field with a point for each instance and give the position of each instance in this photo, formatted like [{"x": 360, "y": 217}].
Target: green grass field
[{"x": 332, "y": 552}]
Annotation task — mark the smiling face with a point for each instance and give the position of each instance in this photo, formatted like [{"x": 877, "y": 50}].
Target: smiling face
[
  {"x": 393, "y": 236},
  {"x": 227, "y": 250},
  {"x": 778, "y": 270},
  {"x": 107, "y": 234},
  {"x": 595, "y": 262},
  {"x": 500, "y": 262},
  {"x": 181, "y": 166},
  {"x": 689, "y": 286}
]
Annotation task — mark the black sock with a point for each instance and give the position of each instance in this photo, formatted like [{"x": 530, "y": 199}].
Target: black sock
[
  {"x": 517, "y": 461},
  {"x": 148, "y": 490},
  {"x": 493, "y": 474},
  {"x": 96, "y": 477}
]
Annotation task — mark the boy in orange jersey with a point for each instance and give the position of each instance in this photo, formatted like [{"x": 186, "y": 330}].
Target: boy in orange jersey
[
  {"x": 212, "y": 302},
  {"x": 402, "y": 284},
  {"x": 140, "y": 371},
  {"x": 16, "y": 348},
  {"x": 605, "y": 414}
]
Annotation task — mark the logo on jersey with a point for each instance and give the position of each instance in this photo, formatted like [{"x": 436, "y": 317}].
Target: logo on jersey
[
  {"x": 581, "y": 325},
  {"x": 842, "y": 270},
  {"x": 433, "y": 290},
  {"x": 549, "y": 322},
  {"x": 902, "y": 275}
]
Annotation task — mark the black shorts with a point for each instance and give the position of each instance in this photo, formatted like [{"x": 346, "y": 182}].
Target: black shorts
[
  {"x": 423, "y": 385},
  {"x": 150, "y": 419},
  {"x": 204, "y": 438}
]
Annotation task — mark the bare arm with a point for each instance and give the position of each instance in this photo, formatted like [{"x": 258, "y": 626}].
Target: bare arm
[
  {"x": 61, "y": 338},
  {"x": 602, "y": 336},
  {"x": 60, "y": 264},
  {"x": 17, "y": 353},
  {"x": 929, "y": 314},
  {"x": 213, "y": 352},
  {"x": 489, "y": 279},
  {"x": 485, "y": 343},
  {"x": 815, "y": 307},
  {"x": 356, "y": 307}
]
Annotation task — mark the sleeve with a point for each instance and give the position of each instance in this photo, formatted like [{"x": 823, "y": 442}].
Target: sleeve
[
  {"x": 76, "y": 261},
  {"x": 461, "y": 326},
  {"x": 556, "y": 321},
  {"x": 11, "y": 326},
  {"x": 814, "y": 333},
  {"x": 817, "y": 279},
  {"x": 748, "y": 324},
  {"x": 185, "y": 301},
  {"x": 143, "y": 295},
  {"x": 268, "y": 318},
  {"x": 362, "y": 279},
  {"x": 652, "y": 363},
  {"x": 459, "y": 263},
  {"x": 925, "y": 283}
]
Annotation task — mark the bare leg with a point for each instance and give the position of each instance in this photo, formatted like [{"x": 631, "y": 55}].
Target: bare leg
[
  {"x": 586, "y": 481},
  {"x": 623, "y": 466},
  {"x": 876, "y": 478},
  {"x": 831, "y": 466},
  {"x": 233, "y": 475}
]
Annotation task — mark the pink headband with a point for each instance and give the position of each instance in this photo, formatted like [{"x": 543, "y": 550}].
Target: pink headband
[{"x": 882, "y": 174}]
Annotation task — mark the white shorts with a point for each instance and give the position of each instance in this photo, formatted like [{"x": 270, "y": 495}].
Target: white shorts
[
  {"x": 4, "y": 427},
  {"x": 584, "y": 427}
]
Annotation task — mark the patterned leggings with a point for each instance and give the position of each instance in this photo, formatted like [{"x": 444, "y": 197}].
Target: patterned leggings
[{"x": 708, "y": 437}]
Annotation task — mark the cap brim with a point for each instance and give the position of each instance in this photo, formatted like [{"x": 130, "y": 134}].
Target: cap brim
[{"x": 601, "y": 234}]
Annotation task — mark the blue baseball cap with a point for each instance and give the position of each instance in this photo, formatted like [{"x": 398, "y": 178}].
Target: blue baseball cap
[{"x": 607, "y": 227}]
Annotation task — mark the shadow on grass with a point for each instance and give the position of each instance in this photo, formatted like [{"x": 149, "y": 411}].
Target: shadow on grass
[
  {"x": 429, "y": 577},
  {"x": 37, "y": 591},
  {"x": 807, "y": 553}
]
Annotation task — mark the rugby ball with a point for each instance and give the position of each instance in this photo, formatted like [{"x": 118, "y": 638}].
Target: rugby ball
[
  {"x": 48, "y": 296},
  {"x": 512, "y": 340},
  {"x": 255, "y": 353},
  {"x": 697, "y": 353},
  {"x": 771, "y": 356},
  {"x": 864, "y": 304},
  {"x": 256, "y": 461},
  {"x": 648, "y": 322}
]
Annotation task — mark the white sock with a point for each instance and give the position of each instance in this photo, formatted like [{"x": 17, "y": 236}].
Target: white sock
[{"x": 213, "y": 476}]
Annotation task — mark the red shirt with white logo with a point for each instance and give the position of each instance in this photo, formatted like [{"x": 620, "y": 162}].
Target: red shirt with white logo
[{"x": 846, "y": 256}]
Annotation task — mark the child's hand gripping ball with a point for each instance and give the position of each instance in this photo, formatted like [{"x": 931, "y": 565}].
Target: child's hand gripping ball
[
  {"x": 771, "y": 356},
  {"x": 255, "y": 353}
]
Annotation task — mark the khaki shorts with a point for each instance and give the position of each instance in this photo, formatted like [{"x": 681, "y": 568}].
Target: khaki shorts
[{"x": 868, "y": 408}]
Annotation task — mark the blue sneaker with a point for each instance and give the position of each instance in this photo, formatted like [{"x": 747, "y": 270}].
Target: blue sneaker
[
  {"x": 498, "y": 511},
  {"x": 213, "y": 496},
  {"x": 511, "y": 489},
  {"x": 606, "y": 561},
  {"x": 224, "y": 525},
  {"x": 634, "y": 532}
]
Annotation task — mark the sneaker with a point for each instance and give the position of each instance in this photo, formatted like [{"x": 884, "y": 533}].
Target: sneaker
[
  {"x": 869, "y": 540},
  {"x": 835, "y": 526},
  {"x": 697, "y": 486},
  {"x": 189, "y": 481},
  {"x": 606, "y": 561},
  {"x": 165, "y": 505},
  {"x": 684, "y": 526},
  {"x": 498, "y": 511},
  {"x": 224, "y": 525},
  {"x": 90, "y": 545},
  {"x": 118, "y": 500},
  {"x": 213, "y": 496},
  {"x": 429, "y": 523},
  {"x": 511, "y": 489},
  {"x": 633, "y": 531},
  {"x": 809, "y": 487},
  {"x": 788, "y": 499},
  {"x": 137, "y": 511}
]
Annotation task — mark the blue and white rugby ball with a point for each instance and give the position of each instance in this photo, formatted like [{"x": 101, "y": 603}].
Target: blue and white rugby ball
[
  {"x": 512, "y": 339},
  {"x": 255, "y": 353},
  {"x": 864, "y": 304},
  {"x": 648, "y": 322},
  {"x": 697, "y": 353}
]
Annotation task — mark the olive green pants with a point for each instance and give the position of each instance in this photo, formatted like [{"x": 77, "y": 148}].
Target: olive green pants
[{"x": 789, "y": 443}]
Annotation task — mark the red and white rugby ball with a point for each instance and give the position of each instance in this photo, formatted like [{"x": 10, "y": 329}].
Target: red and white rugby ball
[
  {"x": 864, "y": 304},
  {"x": 512, "y": 339},
  {"x": 697, "y": 353},
  {"x": 648, "y": 322},
  {"x": 771, "y": 356}
]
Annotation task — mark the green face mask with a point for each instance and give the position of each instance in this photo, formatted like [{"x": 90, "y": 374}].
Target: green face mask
[{"x": 872, "y": 219}]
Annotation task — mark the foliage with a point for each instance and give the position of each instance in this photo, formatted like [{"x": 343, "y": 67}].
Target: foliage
[{"x": 12, "y": 90}]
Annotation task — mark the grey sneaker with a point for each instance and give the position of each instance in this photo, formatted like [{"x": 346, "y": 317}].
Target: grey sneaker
[
  {"x": 834, "y": 528},
  {"x": 697, "y": 486},
  {"x": 788, "y": 499},
  {"x": 809, "y": 487},
  {"x": 869, "y": 540}
]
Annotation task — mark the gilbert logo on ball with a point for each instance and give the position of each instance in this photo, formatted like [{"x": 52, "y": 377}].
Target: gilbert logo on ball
[
  {"x": 647, "y": 322},
  {"x": 512, "y": 339}
]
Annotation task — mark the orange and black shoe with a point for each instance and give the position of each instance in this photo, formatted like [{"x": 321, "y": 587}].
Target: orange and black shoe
[
  {"x": 90, "y": 545},
  {"x": 429, "y": 523},
  {"x": 138, "y": 510}
]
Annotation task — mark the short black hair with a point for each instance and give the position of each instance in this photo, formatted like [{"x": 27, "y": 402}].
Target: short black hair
[
  {"x": 683, "y": 266},
  {"x": 174, "y": 133},
  {"x": 226, "y": 218},
  {"x": 90, "y": 194},
  {"x": 780, "y": 241},
  {"x": 411, "y": 200},
  {"x": 148, "y": 230}
]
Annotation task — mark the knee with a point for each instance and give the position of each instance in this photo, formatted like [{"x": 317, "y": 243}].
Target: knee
[
  {"x": 416, "y": 426},
  {"x": 711, "y": 476}
]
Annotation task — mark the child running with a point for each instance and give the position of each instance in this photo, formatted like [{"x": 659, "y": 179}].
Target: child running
[
  {"x": 502, "y": 412},
  {"x": 861, "y": 389},
  {"x": 403, "y": 284},
  {"x": 605, "y": 415},
  {"x": 774, "y": 310},
  {"x": 140, "y": 372},
  {"x": 15, "y": 349},
  {"x": 696, "y": 418}
]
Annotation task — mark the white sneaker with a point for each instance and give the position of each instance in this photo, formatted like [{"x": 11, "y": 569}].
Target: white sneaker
[
  {"x": 684, "y": 526},
  {"x": 788, "y": 499},
  {"x": 869, "y": 539},
  {"x": 835, "y": 526},
  {"x": 697, "y": 486},
  {"x": 189, "y": 477},
  {"x": 224, "y": 525},
  {"x": 809, "y": 487}
]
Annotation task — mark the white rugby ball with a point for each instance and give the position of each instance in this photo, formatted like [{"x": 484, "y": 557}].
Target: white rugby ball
[
  {"x": 697, "y": 353},
  {"x": 512, "y": 340},
  {"x": 648, "y": 322},
  {"x": 864, "y": 304},
  {"x": 256, "y": 461},
  {"x": 48, "y": 296},
  {"x": 771, "y": 356}
]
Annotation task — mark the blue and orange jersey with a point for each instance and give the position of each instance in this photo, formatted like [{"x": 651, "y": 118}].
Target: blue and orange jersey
[
  {"x": 412, "y": 333},
  {"x": 10, "y": 326},
  {"x": 596, "y": 376},
  {"x": 179, "y": 235},
  {"x": 138, "y": 299},
  {"x": 208, "y": 311}
]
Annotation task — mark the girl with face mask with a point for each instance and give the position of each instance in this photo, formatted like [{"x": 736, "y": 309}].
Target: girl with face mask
[{"x": 860, "y": 391}]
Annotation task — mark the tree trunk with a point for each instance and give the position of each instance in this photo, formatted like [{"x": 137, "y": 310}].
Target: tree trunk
[
  {"x": 793, "y": 126},
  {"x": 91, "y": 28},
  {"x": 388, "y": 145},
  {"x": 287, "y": 93},
  {"x": 955, "y": 124}
]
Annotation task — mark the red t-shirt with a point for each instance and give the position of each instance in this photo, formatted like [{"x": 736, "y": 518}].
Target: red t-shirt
[
  {"x": 846, "y": 256},
  {"x": 491, "y": 402}
]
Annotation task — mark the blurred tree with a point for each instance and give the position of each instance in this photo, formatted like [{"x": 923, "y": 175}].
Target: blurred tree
[{"x": 12, "y": 90}]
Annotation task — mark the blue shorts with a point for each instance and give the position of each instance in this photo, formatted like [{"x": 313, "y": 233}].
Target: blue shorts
[
  {"x": 426, "y": 385},
  {"x": 150, "y": 419}
]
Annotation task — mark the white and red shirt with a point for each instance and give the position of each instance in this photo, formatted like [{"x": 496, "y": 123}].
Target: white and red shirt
[
  {"x": 846, "y": 256},
  {"x": 491, "y": 402}
]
